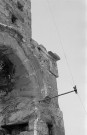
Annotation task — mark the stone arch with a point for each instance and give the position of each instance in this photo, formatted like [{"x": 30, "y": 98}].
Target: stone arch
[
  {"x": 27, "y": 81},
  {"x": 24, "y": 66}
]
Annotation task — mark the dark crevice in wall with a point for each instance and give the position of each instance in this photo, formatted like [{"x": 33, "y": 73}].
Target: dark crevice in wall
[
  {"x": 13, "y": 18},
  {"x": 15, "y": 129},
  {"x": 50, "y": 128},
  {"x": 20, "y": 6}
]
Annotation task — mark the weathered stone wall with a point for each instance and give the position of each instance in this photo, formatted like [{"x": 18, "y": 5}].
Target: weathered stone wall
[
  {"x": 17, "y": 14},
  {"x": 27, "y": 76}
]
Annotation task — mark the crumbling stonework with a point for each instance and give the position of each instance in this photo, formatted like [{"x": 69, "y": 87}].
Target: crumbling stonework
[{"x": 27, "y": 76}]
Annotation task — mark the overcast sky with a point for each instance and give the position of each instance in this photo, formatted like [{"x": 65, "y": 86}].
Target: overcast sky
[{"x": 57, "y": 23}]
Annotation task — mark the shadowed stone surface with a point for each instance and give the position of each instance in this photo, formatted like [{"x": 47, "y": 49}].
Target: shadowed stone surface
[{"x": 27, "y": 76}]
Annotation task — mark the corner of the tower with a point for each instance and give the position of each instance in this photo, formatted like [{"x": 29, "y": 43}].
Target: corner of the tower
[{"x": 28, "y": 76}]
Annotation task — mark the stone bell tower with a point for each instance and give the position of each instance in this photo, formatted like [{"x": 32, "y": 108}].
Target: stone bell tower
[{"x": 27, "y": 76}]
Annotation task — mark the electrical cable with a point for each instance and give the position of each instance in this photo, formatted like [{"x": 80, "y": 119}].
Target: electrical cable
[
  {"x": 82, "y": 103},
  {"x": 59, "y": 37},
  {"x": 58, "y": 33}
]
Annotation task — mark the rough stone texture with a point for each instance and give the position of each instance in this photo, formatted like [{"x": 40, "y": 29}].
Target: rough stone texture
[{"x": 27, "y": 76}]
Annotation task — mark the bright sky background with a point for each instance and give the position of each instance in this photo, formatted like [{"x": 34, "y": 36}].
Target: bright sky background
[{"x": 64, "y": 21}]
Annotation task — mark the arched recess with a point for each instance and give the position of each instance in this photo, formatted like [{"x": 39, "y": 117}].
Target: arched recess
[
  {"x": 18, "y": 70},
  {"x": 20, "y": 79}
]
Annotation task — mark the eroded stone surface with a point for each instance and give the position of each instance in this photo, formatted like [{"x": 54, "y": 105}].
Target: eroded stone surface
[{"x": 24, "y": 108}]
